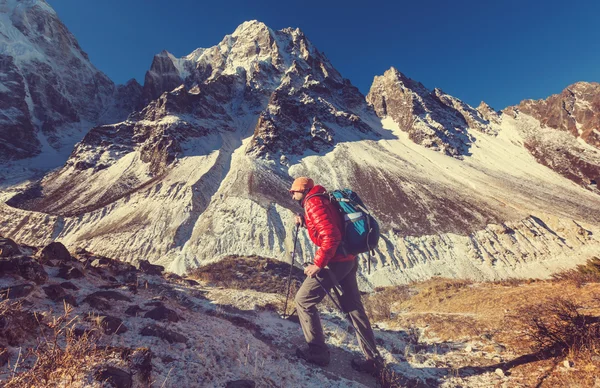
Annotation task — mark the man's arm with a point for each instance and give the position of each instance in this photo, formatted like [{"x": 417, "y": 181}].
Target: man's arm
[{"x": 329, "y": 233}]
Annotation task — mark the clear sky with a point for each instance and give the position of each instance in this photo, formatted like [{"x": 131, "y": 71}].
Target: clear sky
[{"x": 499, "y": 51}]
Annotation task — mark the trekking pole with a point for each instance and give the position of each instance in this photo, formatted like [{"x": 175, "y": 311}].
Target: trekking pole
[
  {"x": 287, "y": 294},
  {"x": 339, "y": 307}
]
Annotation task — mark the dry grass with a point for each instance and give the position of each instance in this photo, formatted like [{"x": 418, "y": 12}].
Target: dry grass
[
  {"x": 379, "y": 304},
  {"x": 16, "y": 323},
  {"x": 560, "y": 326},
  {"x": 582, "y": 274},
  {"x": 253, "y": 272},
  {"x": 59, "y": 358},
  {"x": 525, "y": 316}
]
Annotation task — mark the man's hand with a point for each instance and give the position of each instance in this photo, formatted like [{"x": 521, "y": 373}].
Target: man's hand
[
  {"x": 299, "y": 220},
  {"x": 311, "y": 271}
]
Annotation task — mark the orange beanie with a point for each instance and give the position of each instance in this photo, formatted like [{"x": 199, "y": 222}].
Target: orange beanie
[{"x": 303, "y": 183}]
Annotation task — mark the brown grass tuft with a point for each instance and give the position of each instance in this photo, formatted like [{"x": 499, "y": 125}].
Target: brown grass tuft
[
  {"x": 559, "y": 325},
  {"x": 16, "y": 324},
  {"x": 379, "y": 305},
  {"x": 253, "y": 272},
  {"x": 60, "y": 357},
  {"x": 582, "y": 274}
]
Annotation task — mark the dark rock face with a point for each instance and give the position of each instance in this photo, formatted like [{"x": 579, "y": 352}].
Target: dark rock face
[
  {"x": 14, "y": 292},
  {"x": 128, "y": 98},
  {"x": 9, "y": 266},
  {"x": 111, "y": 295},
  {"x": 141, "y": 362},
  {"x": 17, "y": 133},
  {"x": 62, "y": 95},
  {"x": 100, "y": 300},
  {"x": 55, "y": 253},
  {"x": 576, "y": 112},
  {"x": 56, "y": 293},
  {"x": 31, "y": 270},
  {"x": 134, "y": 311},
  {"x": 161, "y": 313},
  {"x": 68, "y": 272},
  {"x": 151, "y": 269},
  {"x": 8, "y": 248},
  {"x": 116, "y": 377},
  {"x": 108, "y": 324},
  {"x": 162, "y": 333},
  {"x": 98, "y": 303},
  {"x": 162, "y": 77},
  {"x": 4, "y": 356},
  {"x": 69, "y": 286},
  {"x": 241, "y": 384},
  {"x": 433, "y": 119}
]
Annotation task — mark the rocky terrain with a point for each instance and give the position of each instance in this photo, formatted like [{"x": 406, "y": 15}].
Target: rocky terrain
[{"x": 85, "y": 320}]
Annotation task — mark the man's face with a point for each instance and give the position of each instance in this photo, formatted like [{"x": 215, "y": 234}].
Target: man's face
[{"x": 297, "y": 195}]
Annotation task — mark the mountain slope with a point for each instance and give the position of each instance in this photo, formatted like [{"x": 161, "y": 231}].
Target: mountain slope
[
  {"x": 569, "y": 139},
  {"x": 50, "y": 93},
  {"x": 202, "y": 171}
]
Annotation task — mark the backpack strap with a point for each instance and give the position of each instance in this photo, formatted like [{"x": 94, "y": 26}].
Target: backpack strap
[
  {"x": 325, "y": 194},
  {"x": 331, "y": 198}
]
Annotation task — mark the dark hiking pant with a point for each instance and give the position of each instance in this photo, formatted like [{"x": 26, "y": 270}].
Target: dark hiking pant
[{"x": 311, "y": 293}]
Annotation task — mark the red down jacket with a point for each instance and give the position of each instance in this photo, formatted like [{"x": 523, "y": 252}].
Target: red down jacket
[{"x": 324, "y": 224}]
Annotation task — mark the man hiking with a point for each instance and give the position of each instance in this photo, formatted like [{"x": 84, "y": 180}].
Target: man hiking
[{"x": 324, "y": 225}]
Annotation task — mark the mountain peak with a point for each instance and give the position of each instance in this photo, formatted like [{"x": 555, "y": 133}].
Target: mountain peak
[
  {"x": 7, "y": 6},
  {"x": 251, "y": 26}
]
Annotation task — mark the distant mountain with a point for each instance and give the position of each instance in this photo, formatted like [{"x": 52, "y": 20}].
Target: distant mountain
[
  {"x": 202, "y": 170},
  {"x": 569, "y": 140},
  {"x": 50, "y": 93}
]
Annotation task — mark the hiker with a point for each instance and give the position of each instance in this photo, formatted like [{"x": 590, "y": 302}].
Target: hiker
[{"x": 324, "y": 225}]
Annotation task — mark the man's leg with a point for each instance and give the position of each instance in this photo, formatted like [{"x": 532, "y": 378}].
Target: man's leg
[
  {"x": 352, "y": 304},
  {"x": 307, "y": 298}
]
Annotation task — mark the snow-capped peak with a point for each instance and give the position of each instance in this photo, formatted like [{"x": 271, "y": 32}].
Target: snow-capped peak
[{"x": 7, "y": 6}]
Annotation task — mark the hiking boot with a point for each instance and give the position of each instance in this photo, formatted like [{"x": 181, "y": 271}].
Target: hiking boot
[
  {"x": 371, "y": 366},
  {"x": 314, "y": 354}
]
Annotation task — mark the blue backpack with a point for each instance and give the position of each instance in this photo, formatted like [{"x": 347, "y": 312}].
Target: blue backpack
[{"x": 361, "y": 230}]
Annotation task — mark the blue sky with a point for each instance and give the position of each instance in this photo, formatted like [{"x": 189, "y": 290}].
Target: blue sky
[{"x": 498, "y": 51}]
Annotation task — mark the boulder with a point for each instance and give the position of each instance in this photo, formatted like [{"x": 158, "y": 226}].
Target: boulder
[
  {"x": 108, "y": 324},
  {"x": 162, "y": 333},
  {"x": 69, "y": 272},
  {"x": 4, "y": 356},
  {"x": 69, "y": 286},
  {"x": 56, "y": 293},
  {"x": 8, "y": 248},
  {"x": 54, "y": 253},
  {"x": 31, "y": 270},
  {"x": 97, "y": 302},
  {"x": 116, "y": 377},
  {"x": 150, "y": 269},
  {"x": 111, "y": 295},
  {"x": 141, "y": 362},
  {"x": 161, "y": 313},
  {"x": 18, "y": 291},
  {"x": 134, "y": 311},
  {"x": 191, "y": 282},
  {"x": 9, "y": 266},
  {"x": 241, "y": 384}
]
